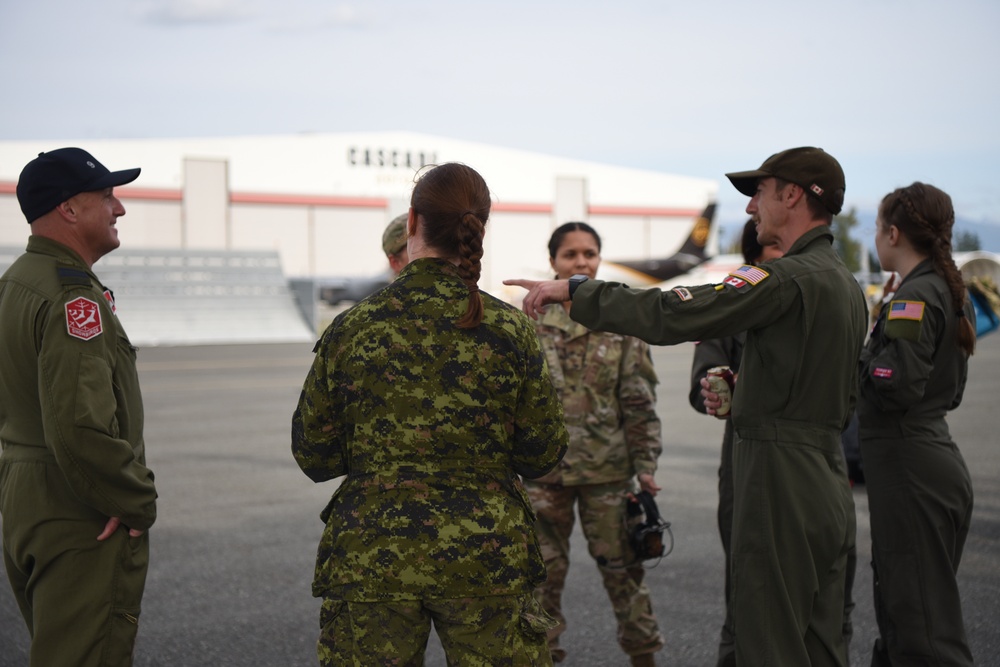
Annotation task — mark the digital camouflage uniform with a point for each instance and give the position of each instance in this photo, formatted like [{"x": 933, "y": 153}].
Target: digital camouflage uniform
[
  {"x": 919, "y": 490},
  {"x": 793, "y": 513},
  {"x": 607, "y": 385},
  {"x": 432, "y": 425},
  {"x": 71, "y": 423}
]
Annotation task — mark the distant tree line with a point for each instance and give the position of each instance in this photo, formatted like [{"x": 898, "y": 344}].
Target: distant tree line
[{"x": 850, "y": 249}]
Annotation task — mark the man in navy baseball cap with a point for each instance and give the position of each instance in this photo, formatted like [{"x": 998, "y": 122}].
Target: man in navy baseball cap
[
  {"x": 78, "y": 497},
  {"x": 55, "y": 176}
]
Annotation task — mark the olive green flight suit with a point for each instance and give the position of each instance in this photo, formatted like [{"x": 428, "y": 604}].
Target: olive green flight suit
[
  {"x": 71, "y": 424},
  {"x": 794, "y": 522},
  {"x": 919, "y": 489}
]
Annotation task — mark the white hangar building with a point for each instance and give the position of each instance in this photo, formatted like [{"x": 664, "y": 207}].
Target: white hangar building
[{"x": 319, "y": 202}]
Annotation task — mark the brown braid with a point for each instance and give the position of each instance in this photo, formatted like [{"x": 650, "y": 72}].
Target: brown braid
[
  {"x": 470, "y": 252},
  {"x": 925, "y": 215},
  {"x": 454, "y": 202}
]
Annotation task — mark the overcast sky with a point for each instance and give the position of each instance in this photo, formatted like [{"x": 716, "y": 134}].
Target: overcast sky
[{"x": 897, "y": 90}]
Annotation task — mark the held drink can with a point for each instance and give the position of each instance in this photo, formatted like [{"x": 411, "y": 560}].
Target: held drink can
[{"x": 720, "y": 379}]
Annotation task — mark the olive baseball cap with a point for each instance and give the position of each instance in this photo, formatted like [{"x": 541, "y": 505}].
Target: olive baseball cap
[
  {"x": 813, "y": 169},
  {"x": 55, "y": 176},
  {"x": 394, "y": 236}
]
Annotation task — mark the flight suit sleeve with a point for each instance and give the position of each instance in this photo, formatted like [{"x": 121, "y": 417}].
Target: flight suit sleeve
[
  {"x": 86, "y": 412},
  {"x": 539, "y": 429},
  {"x": 637, "y": 399},
  {"x": 897, "y": 364},
  {"x": 668, "y": 317},
  {"x": 319, "y": 443}
]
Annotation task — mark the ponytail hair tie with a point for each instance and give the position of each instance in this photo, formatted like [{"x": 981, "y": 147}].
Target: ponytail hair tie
[
  {"x": 473, "y": 289},
  {"x": 462, "y": 217}
]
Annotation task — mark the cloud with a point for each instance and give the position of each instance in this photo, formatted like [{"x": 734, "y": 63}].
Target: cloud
[{"x": 199, "y": 11}]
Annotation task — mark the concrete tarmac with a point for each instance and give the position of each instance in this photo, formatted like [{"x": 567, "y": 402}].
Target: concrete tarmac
[{"x": 234, "y": 545}]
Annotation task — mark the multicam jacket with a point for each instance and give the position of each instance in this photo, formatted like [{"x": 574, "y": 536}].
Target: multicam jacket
[
  {"x": 608, "y": 389},
  {"x": 432, "y": 425}
]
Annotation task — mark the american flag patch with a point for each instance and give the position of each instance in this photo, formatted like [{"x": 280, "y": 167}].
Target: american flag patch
[
  {"x": 751, "y": 274},
  {"x": 885, "y": 373},
  {"x": 906, "y": 310},
  {"x": 684, "y": 293}
]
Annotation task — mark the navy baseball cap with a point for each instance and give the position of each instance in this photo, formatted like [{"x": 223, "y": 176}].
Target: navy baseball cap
[{"x": 55, "y": 176}]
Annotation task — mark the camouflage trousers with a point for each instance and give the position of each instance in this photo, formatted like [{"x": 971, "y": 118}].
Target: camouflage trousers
[
  {"x": 603, "y": 520},
  {"x": 498, "y": 631}
]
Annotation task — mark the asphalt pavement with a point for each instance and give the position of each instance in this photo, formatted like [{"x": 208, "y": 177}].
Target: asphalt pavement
[{"x": 234, "y": 544}]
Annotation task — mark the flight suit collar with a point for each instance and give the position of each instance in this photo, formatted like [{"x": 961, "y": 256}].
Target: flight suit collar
[
  {"x": 811, "y": 237},
  {"x": 924, "y": 267},
  {"x": 46, "y": 246}
]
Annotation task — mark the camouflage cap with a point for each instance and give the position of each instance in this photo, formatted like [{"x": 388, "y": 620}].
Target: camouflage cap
[
  {"x": 812, "y": 169},
  {"x": 394, "y": 236}
]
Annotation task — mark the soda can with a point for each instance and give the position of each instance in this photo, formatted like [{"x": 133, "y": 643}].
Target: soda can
[{"x": 720, "y": 380}]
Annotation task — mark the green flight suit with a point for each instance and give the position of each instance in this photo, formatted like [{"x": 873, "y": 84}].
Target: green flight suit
[
  {"x": 919, "y": 490},
  {"x": 432, "y": 425},
  {"x": 793, "y": 522},
  {"x": 71, "y": 423}
]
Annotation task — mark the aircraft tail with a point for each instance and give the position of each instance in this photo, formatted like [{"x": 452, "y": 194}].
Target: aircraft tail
[
  {"x": 691, "y": 254},
  {"x": 698, "y": 238}
]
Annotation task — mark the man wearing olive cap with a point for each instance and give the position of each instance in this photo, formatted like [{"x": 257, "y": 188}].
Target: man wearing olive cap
[
  {"x": 394, "y": 244},
  {"x": 805, "y": 319},
  {"x": 75, "y": 493}
]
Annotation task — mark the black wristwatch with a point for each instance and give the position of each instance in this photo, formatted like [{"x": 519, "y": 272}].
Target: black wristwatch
[{"x": 576, "y": 281}]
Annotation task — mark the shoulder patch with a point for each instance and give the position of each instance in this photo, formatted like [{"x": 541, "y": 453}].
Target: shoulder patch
[
  {"x": 906, "y": 310},
  {"x": 683, "y": 293},
  {"x": 750, "y": 273},
  {"x": 110, "y": 296},
  {"x": 70, "y": 276},
  {"x": 83, "y": 318}
]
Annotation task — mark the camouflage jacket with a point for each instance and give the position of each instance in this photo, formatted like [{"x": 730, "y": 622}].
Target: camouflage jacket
[
  {"x": 432, "y": 425},
  {"x": 608, "y": 389}
]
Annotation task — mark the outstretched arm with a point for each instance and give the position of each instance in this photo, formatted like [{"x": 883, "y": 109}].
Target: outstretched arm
[{"x": 541, "y": 293}]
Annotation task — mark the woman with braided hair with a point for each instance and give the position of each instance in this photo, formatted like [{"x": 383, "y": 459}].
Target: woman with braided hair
[
  {"x": 433, "y": 398},
  {"x": 913, "y": 371}
]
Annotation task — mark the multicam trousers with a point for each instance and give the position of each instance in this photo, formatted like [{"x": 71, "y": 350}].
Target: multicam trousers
[{"x": 603, "y": 520}]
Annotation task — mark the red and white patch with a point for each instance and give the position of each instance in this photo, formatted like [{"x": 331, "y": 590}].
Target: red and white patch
[
  {"x": 884, "y": 373},
  {"x": 683, "y": 293},
  {"x": 735, "y": 282},
  {"x": 111, "y": 301},
  {"x": 83, "y": 318}
]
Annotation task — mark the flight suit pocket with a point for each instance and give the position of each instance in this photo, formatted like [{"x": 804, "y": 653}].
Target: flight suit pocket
[
  {"x": 95, "y": 404},
  {"x": 129, "y": 584}
]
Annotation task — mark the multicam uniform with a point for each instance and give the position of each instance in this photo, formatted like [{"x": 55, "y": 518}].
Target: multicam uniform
[
  {"x": 432, "y": 425},
  {"x": 793, "y": 521},
  {"x": 607, "y": 386},
  {"x": 71, "y": 423},
  {"x": 919, "y": 489}
]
